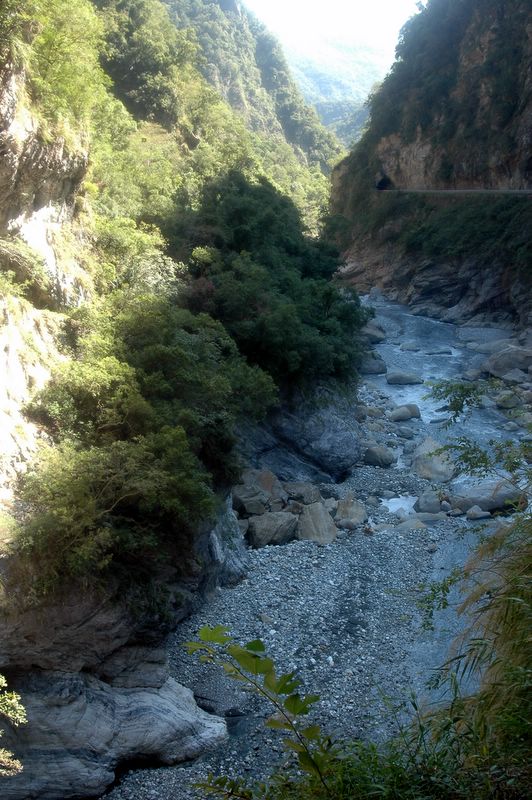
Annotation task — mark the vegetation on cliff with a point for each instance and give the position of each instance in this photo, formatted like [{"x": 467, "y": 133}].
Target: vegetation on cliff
[
  {"x": 451, "y": 114},
  {"x": 209, "y": 294}
]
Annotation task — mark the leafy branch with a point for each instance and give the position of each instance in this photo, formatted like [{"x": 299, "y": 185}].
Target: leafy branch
[{"x": 251, "y": 665}]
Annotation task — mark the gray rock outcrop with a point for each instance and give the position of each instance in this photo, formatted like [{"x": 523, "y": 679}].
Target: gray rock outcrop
[
  {"x": 328, "y": 436},
  {"x": 80, "y": 728}
]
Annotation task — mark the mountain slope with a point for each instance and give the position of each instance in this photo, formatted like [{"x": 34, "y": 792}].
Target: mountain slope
[
  {"x": 246, "y": 65},
  {"x": 454, "y": 113}
]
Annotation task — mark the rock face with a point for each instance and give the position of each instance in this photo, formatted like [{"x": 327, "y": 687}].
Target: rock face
[
  {"x": 95, "y": 683},
  {"x": 431, "y": 145},
  {"x": 326, "y": 434},
  {"x": 38, "y": 181},
  {"x": 81, "y": 728}
]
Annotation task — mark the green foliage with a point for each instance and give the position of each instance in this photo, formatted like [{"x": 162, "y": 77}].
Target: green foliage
[
  {"x": 13, "y": 712},
  {"x": 245, "y": 63},
  {"x": 267, "y": 283},
  {"x": 143, "y": 417},
  {"x": 489, "y": 229},
  {"x": 251, "y": 665},
  {"x": 146, "y": 56},
  {"x": 67, "y": 81}
]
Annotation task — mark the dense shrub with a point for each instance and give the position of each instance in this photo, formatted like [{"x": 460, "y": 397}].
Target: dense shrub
[{"x": 268, "y": 283}]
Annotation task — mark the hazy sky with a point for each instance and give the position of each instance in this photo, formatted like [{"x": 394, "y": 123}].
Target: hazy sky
[{"x": 303, "y": 23}]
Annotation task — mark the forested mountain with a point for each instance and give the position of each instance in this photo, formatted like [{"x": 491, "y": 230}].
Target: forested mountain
[
  {"x": 455, "y": 113},
  {"x": 205, "y": 297},
  {"x": 162, "y": 187},
  {"x": 337, "y": 79},
  {"x": 246, "y": 65}
]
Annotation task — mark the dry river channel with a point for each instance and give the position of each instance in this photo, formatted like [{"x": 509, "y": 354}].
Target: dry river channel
[{"x": 345, "y": 615}]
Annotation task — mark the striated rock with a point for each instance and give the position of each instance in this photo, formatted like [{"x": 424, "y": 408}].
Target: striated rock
[
  {"x": 427, "y": 464},
  {"x": 407, "y": 411},
  {"x": 379, "y": 456},
  {"x": 277, "y": 527},
  {"x": 79, "y": 729},
  {"x": 316, "y": 524},
  {"x": 403, "y": 378}
]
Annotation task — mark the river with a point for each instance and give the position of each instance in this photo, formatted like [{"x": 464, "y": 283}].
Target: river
[{"x": 347, "y": 615}]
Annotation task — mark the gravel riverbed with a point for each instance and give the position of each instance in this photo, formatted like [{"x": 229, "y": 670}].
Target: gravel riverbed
[{"x": 346, "y": 615}]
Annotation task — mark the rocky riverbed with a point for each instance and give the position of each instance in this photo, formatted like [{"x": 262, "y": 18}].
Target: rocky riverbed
[{"x": 345, "y": 612}]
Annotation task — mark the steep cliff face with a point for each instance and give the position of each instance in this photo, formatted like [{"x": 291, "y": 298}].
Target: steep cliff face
[
  {"x": 247, "y": 66},
  {"x": 454, "y": 115},
  {"x": 93, "y": 676},
  {"x": 478, "y": 133},
  {"x": 38, "y": 181}
]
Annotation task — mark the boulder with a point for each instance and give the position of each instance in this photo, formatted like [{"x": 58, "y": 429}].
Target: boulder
[
  {"x": 515, "y": 376},
  {"x": 410, "y": 347},
  {"x": 489, "y": 495},
  {"x": 259, "y": 491},
  {"x": 325, "y": 433},
  {"x": 440, "y": 351},
  {"x": 331, "y": 505},
  {"x": 499, "y": 364},
  {"x": 305, "y": 493},
  {"x": 475, "y": 512},
  {"x": 372, "y": 364},
  {"x": 507, "y": 400},
  {"x": 379, "y": 456},
  {"x": 373, "y": 332},
  {"x": 351, "y": 509},
  {"x": 403, "y": 378},
  {"x": 430, "y": 465},
  {"x": 429, "y": 519},
  {"x": 277, "y": 527},
  {"x": 80, "y": 729},
  {"x": 316, "y": 524},
  {"x": 412, "y": 524},
  {"x": 407, "y": 411},
  {"x": 428, "y": 502}
]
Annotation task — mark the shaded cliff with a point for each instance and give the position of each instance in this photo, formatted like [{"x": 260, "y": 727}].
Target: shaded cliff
[{"x": 454, "y": 115}]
